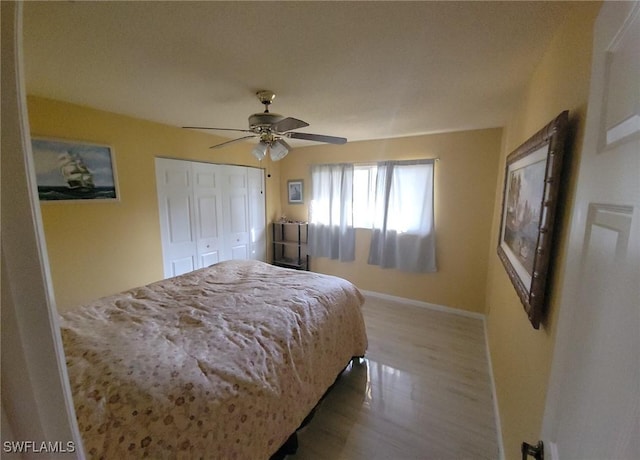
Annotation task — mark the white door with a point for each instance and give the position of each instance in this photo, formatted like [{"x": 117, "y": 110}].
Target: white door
[
  {"x": 593, "y": 402},
  {"x": 257, "y": 214},
  {"x": 207, "y": 193},
  {"x": 209, "y": 213},
  {"x": 236, "y": 213},
  {"x": 175, "y": 202}
]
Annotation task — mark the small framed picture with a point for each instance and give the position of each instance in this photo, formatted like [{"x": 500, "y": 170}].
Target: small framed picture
[
  {"x": 295, "y": 189},
  {"x": 74, "y": 170}
]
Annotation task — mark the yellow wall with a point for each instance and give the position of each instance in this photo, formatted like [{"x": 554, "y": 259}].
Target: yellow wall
[
  {"x": 465, "y": 180},
  {"x": 100, "y": 248},
  {"x": 522, "y": 356}
]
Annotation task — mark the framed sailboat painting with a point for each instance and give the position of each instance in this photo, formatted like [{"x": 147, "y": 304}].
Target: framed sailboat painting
[{"x": 71, "y": 170}]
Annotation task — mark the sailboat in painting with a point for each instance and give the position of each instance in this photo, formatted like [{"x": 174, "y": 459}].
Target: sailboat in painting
[
  {"x": 75, "y": 172},
  {"x": 67, "y": 170}
]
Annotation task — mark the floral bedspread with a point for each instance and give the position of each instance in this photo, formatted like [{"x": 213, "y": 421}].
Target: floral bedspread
[{"x": 221, "y": 363}]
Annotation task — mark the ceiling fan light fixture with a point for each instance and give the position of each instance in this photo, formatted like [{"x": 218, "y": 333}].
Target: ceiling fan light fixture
[
  {"x": 260, "y": 150},
  {"x": 270, "y": 129},
  {"x": 279, "y": 150}
]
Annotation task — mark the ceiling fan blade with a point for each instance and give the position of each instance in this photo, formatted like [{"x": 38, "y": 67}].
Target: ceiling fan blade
[
  {"x": 218, "y": 129},
  {"x": 224, "y": 144},
  {"x": 318, "y": 138},
  {"x": 287, "y": 124}
]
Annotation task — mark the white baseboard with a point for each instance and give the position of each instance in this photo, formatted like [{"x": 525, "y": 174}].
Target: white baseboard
[
  {"x": 419, "y": 303},
  {"x": 494, "y": 396}
]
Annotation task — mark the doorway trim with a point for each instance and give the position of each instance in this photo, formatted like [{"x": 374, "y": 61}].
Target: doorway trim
[{"x": 37, "y": 404}]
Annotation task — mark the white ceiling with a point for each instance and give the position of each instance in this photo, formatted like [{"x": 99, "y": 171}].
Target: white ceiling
[{"x": 361, "y": 70}]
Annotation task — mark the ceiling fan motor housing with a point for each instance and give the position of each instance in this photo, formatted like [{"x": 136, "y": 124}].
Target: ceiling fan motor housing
[{"x": 260, "y": 121}]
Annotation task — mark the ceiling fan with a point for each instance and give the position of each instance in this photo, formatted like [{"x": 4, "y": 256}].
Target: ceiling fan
[{"x": 272, "y": 129}]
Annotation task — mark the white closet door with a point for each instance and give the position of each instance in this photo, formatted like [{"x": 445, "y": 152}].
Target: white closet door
[
  {"x": 207, "y": 192},
  {"x": 175, "y": 191},
  {"x": 236, "y": 212},
  {"x": 257, "y": 214},
  {"x": 209, "y": 213}
]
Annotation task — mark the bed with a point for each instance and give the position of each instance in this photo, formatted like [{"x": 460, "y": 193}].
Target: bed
[{"x": 225, "y": 362}]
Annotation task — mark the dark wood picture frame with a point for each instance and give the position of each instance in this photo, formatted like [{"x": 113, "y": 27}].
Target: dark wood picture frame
[{"x": 529, "y": 202}]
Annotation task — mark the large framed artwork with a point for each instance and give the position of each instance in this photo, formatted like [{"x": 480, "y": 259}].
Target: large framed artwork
[
  {"x": 73, "y": 170},
  {"x": 531, "y": 185}
]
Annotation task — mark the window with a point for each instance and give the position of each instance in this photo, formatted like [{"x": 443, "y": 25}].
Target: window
[
  {"x": 331, "y": 232},
  {"x": 409, "y": 197},
  {"x": 364, "y": 192},
  {"x": 392, "y": 198},
  {"x": 406, "y": 207},
  {"x": 403, "y": 226}
]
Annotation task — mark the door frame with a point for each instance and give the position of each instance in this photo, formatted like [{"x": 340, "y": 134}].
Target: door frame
[{"x": 37, "y": 404}]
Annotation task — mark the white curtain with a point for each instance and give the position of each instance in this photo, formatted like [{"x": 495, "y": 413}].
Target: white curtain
[
  {"x": 403, "y": 234},
  {"x": 331, "y": 232}
]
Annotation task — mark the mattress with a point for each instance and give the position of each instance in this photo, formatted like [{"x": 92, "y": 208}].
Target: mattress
[{"x": 224, "y": 362}]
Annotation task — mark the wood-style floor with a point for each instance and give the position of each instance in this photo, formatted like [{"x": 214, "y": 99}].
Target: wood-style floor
[{"x": 422, "y": 392}]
